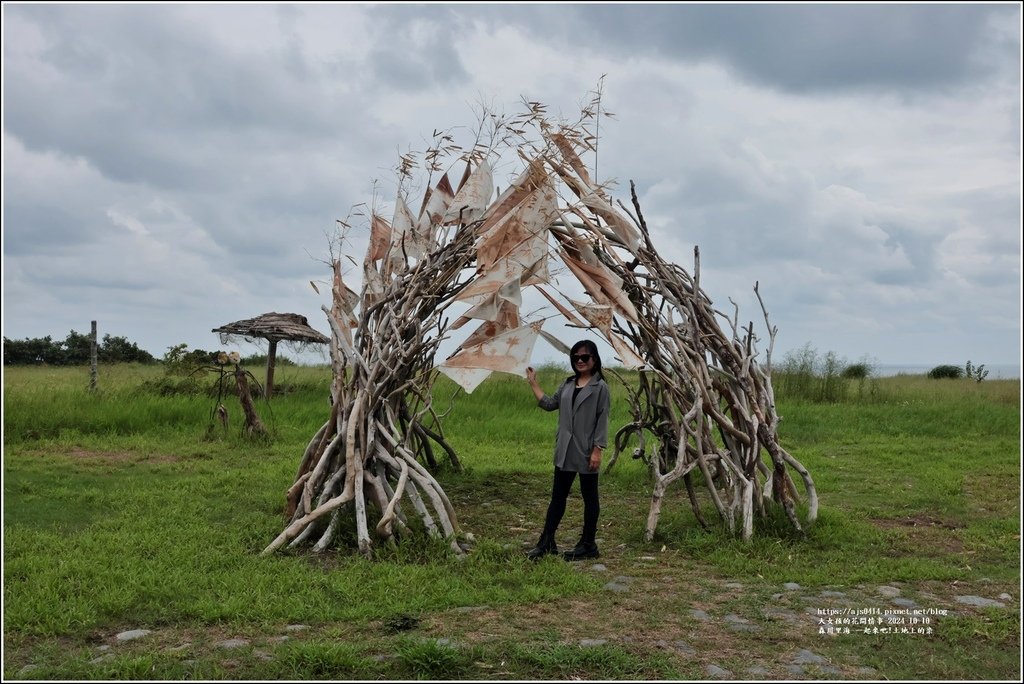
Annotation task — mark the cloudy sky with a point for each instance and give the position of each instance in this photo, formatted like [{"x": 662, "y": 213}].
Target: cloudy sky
[{"x": 170, "y": 168}]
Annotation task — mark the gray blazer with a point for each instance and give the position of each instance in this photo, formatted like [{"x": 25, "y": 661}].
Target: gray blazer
[{"x": 581, "y": 425}]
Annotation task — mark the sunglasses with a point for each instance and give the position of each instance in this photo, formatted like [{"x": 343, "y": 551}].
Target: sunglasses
[{"x": 580, "y": 357}]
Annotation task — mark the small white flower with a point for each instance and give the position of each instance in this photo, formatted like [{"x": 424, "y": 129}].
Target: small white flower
[{"x": 234, "y": 357}]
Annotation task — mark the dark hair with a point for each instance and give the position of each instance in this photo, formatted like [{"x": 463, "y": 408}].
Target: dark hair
[{"x": 592, "y": 350}]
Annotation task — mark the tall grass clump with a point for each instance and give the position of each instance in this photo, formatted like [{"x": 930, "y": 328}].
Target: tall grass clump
[
  {"x": 806, "y": 374},
  {"x": 433, "y": 659}
]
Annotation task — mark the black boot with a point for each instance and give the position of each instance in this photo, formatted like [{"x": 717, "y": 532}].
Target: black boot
[
  {"x": 545, "y": 546},
  {"x": 583, "y": 549}
]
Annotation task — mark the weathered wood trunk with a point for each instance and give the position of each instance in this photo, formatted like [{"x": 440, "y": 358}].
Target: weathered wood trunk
[{"x": 253, "y": 425}]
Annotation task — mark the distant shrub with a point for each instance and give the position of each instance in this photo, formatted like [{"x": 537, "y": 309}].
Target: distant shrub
[
  {"x": 120, "y": 350},
  {"x": 179, "y": 360},
  {"x": 946, "y": 371},
  {"x": 977, "y": 374},
  {"x": 257, "y": 360},
  {"x": 857, "y": 371}
]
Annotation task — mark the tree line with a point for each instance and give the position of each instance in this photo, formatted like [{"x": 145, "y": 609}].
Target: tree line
[{"x": 73, "y": 350}]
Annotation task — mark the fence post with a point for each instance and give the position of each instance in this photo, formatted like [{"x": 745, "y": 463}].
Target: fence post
[{"x": 92, "y": 358}]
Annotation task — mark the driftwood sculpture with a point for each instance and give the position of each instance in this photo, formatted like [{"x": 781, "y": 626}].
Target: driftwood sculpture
[
  {"x": 254, "y": 426},
  {"x": 702, "y": 398}
]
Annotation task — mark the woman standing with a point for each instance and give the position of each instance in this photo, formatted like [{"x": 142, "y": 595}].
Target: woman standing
[{"x": 582, "y": 402}]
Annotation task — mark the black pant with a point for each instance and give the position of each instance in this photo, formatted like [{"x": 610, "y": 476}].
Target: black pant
[{"x": 560, "y": 492}]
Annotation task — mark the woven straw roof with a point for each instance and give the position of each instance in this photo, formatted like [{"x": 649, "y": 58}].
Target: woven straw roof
[{"x": 275, "y": 327}]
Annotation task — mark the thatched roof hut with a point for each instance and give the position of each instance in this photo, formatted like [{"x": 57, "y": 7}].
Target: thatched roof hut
[{"x": 273, "y": 327}]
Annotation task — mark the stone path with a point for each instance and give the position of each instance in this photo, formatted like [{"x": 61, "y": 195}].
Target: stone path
[{"x": 831, "y": 612}]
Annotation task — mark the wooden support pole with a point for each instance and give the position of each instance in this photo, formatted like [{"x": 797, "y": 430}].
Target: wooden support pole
[
  {"x": 92, "y": 358},
  {"x": 268, "y": 387}
]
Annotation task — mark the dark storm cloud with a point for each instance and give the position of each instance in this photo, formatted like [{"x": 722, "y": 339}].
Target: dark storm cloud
[
  {"x": 31, "y": 226},
  {"x": 416, "y": 55},
  {"x": 49, "y": 205},
  {"x": 147, "y": 96},
  {"x": 253, "y": 148},
  {"x": 797, "y": 48},
  {"x": 103, "y": 280}
]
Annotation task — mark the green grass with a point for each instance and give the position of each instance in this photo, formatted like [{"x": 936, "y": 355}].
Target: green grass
[{"x": 121, "y": 511}]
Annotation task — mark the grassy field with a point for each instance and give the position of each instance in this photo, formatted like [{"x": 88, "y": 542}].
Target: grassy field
[{"x": 123, "y": 511}]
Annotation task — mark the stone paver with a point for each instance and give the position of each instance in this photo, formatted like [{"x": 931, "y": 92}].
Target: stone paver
[
  {"x": 979, "y": 602},
  {"x": 684, "y": 648},
  {"x": 233, "y": 643},
  {"x": 805, "y": 657},
  {"x": 132, "y": 634},
  {"x": 783, "y": 615},
  {"x": 740, "y": 624},
  {"x": 717, "y": 672}
]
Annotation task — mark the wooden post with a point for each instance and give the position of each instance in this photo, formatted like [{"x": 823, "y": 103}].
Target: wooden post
[
  {"x": 92, "y": 358},
  {"x": 268, "y": 388}
]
